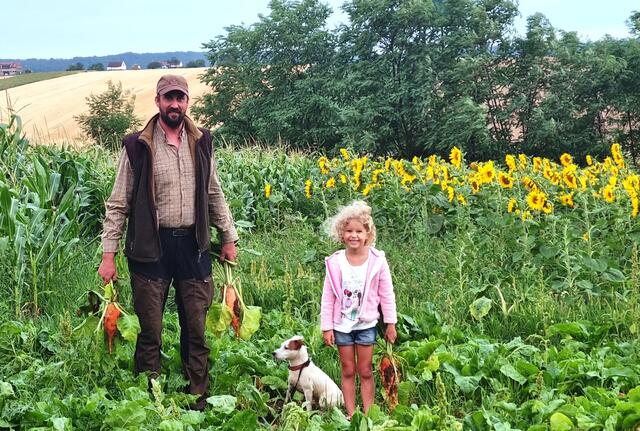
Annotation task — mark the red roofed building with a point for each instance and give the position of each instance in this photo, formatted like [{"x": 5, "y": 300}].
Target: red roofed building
[{"x": 116, "y": 65}]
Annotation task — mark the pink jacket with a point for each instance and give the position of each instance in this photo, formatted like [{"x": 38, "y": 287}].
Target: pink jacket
[{"x": 378, "y": 290}]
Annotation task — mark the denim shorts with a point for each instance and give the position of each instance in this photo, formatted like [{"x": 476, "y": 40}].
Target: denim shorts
[{"x": 365, "y": 337}]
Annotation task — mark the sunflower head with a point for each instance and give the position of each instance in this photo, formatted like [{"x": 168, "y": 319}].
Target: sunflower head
[
  {"x": 536, "y": 200},
  {"x": 505, "y": 180},
  {"x": 566, "y": 159},
  {"x": 455, "y": 157}
]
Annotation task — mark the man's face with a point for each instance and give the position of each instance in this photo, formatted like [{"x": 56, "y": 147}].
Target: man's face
[{"x": 173, "y": 107}]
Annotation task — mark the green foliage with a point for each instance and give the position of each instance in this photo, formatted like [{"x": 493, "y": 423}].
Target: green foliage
[
  {"x": 503, "y": 324},
  {"x": 46, "y": 201},
  {"x": 110, "y": 116},
  {"x": 270, "y": 80},
  {"x": 415, "y": 78},
  {"x": 196, "y": 63},
  {"x": 77, "y": 66},
  {"x": 96, "y": 66},
  {"x": 154, "y": 65}
]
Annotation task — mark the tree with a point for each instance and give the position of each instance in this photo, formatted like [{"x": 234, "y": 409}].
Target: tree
[
  {"x": 110, "y": 116},
  {"x": 196, "y": 63},
  {"x": 271, "y": 81},
  {"x": 77, "y": 66},
  {"x": 154, "y": 65},
  {"x": 413, "y": 70},
  {"x": 96, "y": 66}
]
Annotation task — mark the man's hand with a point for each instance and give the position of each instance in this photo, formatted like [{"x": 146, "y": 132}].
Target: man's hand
[
  {"x": 390, "y": 333},
  {"x": 328, "y": 338},
  {"x": 228, "y": 252},
  {"x": 107, "y": 269}
]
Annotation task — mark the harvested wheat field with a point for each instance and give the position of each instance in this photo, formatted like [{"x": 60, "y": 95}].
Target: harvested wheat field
[{"x": 47, "y": 107}]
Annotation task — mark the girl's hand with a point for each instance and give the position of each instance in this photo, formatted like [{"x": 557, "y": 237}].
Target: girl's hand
[
  {"x": 327, "y": 336},
  {"x": 390, "y": 333}
]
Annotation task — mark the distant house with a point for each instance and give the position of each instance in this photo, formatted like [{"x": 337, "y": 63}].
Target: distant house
[
  {"x": 116, "y": 65},
  {"x": 171, "y": 64},
  {"x": 136, "y": 67},
  {"x": 10, "y": 68}
]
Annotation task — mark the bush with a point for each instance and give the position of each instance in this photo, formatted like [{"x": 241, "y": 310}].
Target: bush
[{"x": 110, "y": 116}]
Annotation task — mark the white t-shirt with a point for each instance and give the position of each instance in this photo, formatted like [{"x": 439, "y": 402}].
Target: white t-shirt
[{"x": 353, "y": 282}]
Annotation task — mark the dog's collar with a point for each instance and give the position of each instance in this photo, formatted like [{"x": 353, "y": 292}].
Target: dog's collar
[{"x": 301, "y": 366}]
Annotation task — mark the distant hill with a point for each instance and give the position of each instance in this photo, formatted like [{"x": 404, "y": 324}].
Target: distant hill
[{"x": 130, "y": 58}]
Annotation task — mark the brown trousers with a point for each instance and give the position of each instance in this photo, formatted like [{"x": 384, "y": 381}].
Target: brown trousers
[{"x": 193, "y": 298}]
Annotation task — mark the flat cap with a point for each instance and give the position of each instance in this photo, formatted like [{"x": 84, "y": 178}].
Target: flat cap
[{"x": 168, "y": 83}]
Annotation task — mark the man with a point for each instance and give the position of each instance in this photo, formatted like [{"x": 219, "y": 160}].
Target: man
[{"x": 167, "y": 190}]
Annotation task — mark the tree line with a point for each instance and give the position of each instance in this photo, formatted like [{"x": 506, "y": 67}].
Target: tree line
[{"x": 416, "y": 77}]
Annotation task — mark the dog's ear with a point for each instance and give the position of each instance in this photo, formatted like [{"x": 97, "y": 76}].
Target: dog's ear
[{"x": 295, "y": 344}]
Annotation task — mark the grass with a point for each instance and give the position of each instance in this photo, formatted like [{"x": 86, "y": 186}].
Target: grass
[{"x": 29, "y": 78}]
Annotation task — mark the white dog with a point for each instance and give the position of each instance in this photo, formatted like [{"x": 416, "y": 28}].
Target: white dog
[{"x": 306, "y": 377}]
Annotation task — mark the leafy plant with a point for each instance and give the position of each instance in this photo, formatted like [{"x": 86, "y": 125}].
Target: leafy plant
[{"x": 110, "y": 116}]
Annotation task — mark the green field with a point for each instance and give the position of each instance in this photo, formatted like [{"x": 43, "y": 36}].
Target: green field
[
  {"x": 29, "y": 78},
  {"x": 516, "y": 285}
]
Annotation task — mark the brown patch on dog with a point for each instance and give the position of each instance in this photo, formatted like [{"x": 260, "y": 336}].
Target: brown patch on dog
[{"x": 295, "y": 344}]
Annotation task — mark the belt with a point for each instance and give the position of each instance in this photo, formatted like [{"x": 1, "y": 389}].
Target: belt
[{"x": 177, "y": 231}]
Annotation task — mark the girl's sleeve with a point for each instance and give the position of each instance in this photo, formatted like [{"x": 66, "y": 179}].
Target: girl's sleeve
[
  {"x": 387, "y": 296},
  {"x": 326, "y": 305}
]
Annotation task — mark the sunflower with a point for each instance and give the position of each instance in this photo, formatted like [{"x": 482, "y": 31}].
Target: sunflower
[
  {"x": 505, "y": 180},
  {"x": 608, "y": 193},
  {"x": 524, "y": 162},
  {"x": 475, "y": 185},
  {"x": 461, "y": 199},
  {"x": 536, "y": 200},
  {"x": 322, "y": 163},
  {"x": 345, "y": 154},
  {"x": 634, "y": 206},
  {"x": 308, "y": 188},
  {"x": 537, "y": 164},
  {"x": 529, "y": 184},
  {"x": 407, "y": 179},
  {"x": 267, "y": 190},
  {"x": 547, "y": 208},
  {"x": 512, "y": 205},
  {"x": 487, "y": 172},
  {"x": 417, "y": 163},
  {"x": 566, "y": 159},
  {"x": 567, "y": 200},
  {"x": 631, "y": 184},
  {"x": 510, "y": 160},
  {"x": 376, "y": 173},
  {"x": 569, "y": 177},
  {"x": 445, "y": 173},
  {"x": 368, "y": 189},
  {"x": 343, "y": 178},
  {"x": 589, "y": 160},
  {"x": 548, "y": 173},
  {"x": 450, "y": 193},
  {"x": 331, "y": 183},
  {"x": 616, "y": 152},
  {"x": 455, "y": 157}
]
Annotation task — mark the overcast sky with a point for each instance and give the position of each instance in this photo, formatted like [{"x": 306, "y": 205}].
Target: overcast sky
[{"x": 70, "y": 28}]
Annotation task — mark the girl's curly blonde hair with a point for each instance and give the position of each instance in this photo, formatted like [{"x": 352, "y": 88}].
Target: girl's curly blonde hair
[{"x": 358, "y": 210}]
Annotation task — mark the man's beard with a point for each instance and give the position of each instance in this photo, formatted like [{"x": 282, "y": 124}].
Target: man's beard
[{"x": 174, "y": 124}]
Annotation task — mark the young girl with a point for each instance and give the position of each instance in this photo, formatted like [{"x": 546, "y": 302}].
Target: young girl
[{"x": 357, "y": 281}]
